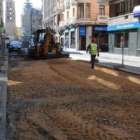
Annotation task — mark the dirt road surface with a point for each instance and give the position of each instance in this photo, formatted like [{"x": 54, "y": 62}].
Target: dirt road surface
[{"x": 63, "y": 99}]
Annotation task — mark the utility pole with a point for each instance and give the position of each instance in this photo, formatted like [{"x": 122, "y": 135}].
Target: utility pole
[{"x": 122, "y": 45}]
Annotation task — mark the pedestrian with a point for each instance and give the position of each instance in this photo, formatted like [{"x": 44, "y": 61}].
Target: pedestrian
[{"x": 93, "y": 51}]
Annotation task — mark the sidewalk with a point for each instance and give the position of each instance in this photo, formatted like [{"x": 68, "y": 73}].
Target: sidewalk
[
  {"x": 3, "y": 97},
  {"x": 131, "y": 63}
]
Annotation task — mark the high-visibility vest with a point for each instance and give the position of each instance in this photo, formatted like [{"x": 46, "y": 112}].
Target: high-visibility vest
[{"x": 93, "y": 49}]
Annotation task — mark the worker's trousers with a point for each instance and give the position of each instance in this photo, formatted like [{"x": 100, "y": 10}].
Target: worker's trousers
[{"x": 92, "y": 61}]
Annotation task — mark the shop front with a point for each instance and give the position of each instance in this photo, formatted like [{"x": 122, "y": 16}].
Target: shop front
[
  {"x": 72, "y": 38},
  {"x": 66, "y": 39},
  {"x": 130, "y": 33},
  {"x": 100, "y": 33},
  {"x": 82, "y": 37}
]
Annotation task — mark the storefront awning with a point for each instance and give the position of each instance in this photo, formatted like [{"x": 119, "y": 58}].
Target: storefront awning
[
  {"x": 100, "y": 28},
  {"x": 136, "y": 11},
  {"x": 132, "y": 25}
]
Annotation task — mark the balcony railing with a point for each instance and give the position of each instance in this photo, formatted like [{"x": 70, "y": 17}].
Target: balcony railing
[
  {"x": 103, "y": 1},
  {"x": 75, "y": 20},
  {"x": 62, "y": 23},
  {"x": 102, "y": 19}
]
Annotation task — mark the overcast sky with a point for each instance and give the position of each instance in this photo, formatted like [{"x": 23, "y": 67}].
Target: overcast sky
[{"x": 19, "y": 8}]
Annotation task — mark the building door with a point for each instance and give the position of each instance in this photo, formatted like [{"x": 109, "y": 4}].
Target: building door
[
  {"x": 133, "y": 42},
  {"x": 82, "y": 35},
  {"x": 83, "y": 43}
]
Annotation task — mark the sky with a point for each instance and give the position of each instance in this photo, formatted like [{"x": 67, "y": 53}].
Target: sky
[{"x": 19, "y": 8}]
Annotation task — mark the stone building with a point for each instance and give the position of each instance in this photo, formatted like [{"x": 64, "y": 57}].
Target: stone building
[
  {"x": 10, "y": 21},
  {"x": 36, "y": 19},
  {"x": 124, "y": 26},
  {"x": 26, "y": 21},
  {"x": 77, "y": 21},
  {"x": 31, "y": 20},
  {"x": 1, "y": 21}
]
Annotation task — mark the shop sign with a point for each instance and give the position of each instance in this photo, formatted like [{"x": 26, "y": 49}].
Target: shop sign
[
  {"x": 100, "y": 28},
  {"x": 126, "y": 26},
  {"x": 82, "y": 31},
  {"x": 136, "y": 11},
  {"x": 72, "y": 29}
]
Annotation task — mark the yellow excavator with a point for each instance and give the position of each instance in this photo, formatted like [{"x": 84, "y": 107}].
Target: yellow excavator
[{"x": 44, "y": 45}]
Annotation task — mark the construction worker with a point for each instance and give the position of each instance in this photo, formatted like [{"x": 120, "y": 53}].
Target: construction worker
[{"x": 93, "y": 51}]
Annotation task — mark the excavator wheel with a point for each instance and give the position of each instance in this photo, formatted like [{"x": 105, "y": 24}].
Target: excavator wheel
[{"x": 37, "y": 56}]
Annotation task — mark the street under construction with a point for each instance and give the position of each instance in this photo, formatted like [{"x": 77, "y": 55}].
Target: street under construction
[{"x": 64, "y": 99}]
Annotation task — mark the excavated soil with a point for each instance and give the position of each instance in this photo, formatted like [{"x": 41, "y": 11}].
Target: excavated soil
[{"x": 63, "y": 99}]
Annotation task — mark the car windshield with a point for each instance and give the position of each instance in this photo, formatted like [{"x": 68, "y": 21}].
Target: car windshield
[{"x": 32, "y": 42}]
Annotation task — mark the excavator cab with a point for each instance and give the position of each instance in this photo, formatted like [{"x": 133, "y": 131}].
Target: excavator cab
[{"x": 46, "y": 45}]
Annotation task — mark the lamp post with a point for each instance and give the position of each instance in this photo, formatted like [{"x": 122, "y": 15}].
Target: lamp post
[{"x": 31, "y": 20}]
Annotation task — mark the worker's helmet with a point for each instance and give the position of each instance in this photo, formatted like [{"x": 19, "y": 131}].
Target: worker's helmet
[{"x": 94, "y": 40}]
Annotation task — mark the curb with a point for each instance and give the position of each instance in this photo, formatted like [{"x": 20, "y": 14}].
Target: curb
[
  {"x": 111, "y": 67},
  {"x": 120, "y": 69},
  {"x": 3, "y": 99}
]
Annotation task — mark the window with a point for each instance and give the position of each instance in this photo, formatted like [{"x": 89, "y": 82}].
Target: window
[
  {"x": 124, "y": 7},
  {"x": 120, "y": 8},
  {"x": 67, "y": 14},
  {"x": 101, "y": 10},
  {"x": 87, "y": 10},
  {"x": 72, "y": 40},
  {"x": 80, "y": 10},
  {"x": 118, "y": 36},
  {"x": 73, "y": 12},
  {"x": 131, "y": 5}
]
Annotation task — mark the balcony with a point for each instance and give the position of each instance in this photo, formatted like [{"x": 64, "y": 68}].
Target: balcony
[
  {"x": 123, "y": 19},
  {"x": 57, "y": 9},
  {"x": 75, "y": 20},
  {"x": 103, "y": 1},
  {"x": 62, "y": 23},
  {"x": 102, "y": 19}
]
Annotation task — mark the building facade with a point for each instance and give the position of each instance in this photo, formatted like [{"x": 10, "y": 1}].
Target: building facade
[
  {"x": 26, "y": 21},
  {"x": 48, "y": 7},
  {"x": 1, "y": 21},
  {"x": 31, "y": 20},
  {"x": 124, "y": 26},
  {"x": 36, "y": 19},
  {"x": 18, "y": 33},
  {"x": 1, "y": 14},
  {"x": 77, "y": 21},
  {"x": 10, "y": 21}
]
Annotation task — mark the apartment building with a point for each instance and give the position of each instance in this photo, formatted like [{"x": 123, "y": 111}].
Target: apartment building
[
  {"x": 48, "y": 7},
  {"x": 36, "y": 19},
  {"x": 1, "y": 21},
  {"x": 18, "y": 33},
  {"x": 124, "y": 26},
  {"x": 77, "y": 21},
  {"x": 1, "y": 14},
  {"x": 26, "y": 21},
  {"x": 10, "y": 21}
]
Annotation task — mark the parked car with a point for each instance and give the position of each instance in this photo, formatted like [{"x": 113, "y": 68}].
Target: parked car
[
  {"x": 15, "y": 46},
  {"x": 31, "y": 49}
]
